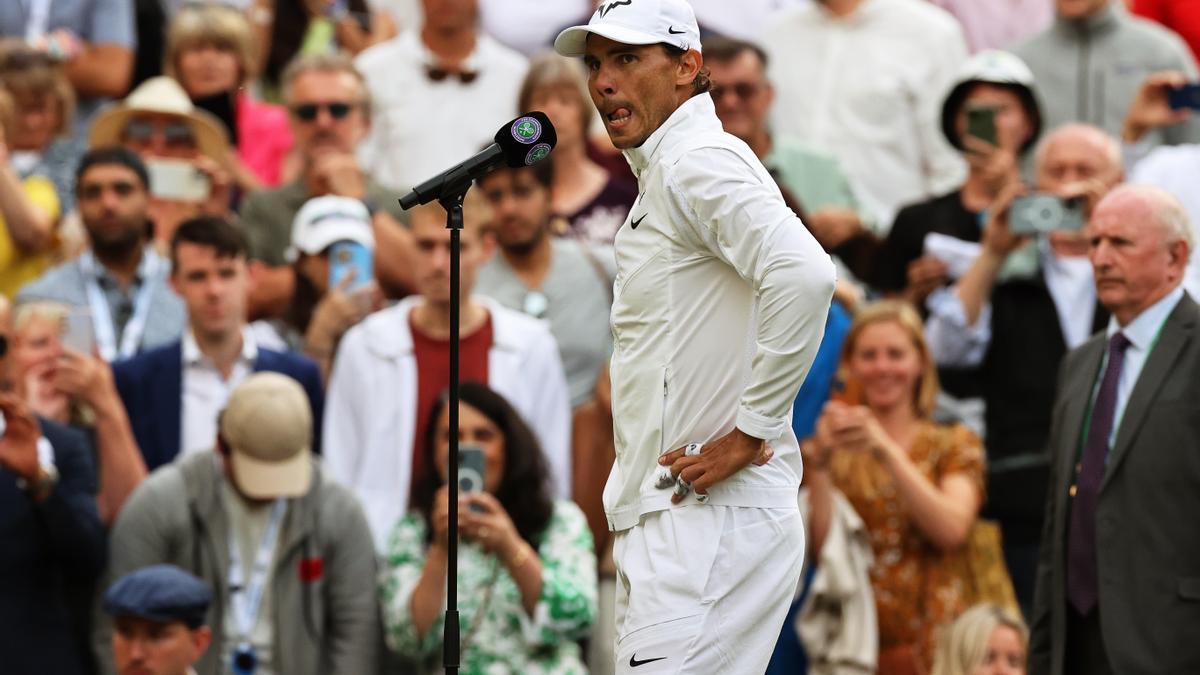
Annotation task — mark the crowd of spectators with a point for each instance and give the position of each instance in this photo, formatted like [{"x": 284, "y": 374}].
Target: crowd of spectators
[{"x": 224, "y": 346}]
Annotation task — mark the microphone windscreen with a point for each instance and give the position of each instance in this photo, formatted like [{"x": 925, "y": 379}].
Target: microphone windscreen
[{"x": 527, "y": 139}]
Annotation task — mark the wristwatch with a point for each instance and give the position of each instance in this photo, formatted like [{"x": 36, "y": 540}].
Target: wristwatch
[{"x": 43, "y": 485}]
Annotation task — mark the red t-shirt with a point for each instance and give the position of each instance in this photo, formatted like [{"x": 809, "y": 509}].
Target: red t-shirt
[
  {"x": 433, "y": 376},
  {"x": 1181, "y": 16}
]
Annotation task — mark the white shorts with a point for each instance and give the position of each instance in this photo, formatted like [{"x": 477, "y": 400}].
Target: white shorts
[{"x": 704, "y": 589}]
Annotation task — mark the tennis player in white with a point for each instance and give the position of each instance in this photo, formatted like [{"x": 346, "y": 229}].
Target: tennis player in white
[{"x": 719, "y": 306}]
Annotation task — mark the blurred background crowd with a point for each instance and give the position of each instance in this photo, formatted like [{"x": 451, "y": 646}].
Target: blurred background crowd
[{"x": 193, "y": 194}]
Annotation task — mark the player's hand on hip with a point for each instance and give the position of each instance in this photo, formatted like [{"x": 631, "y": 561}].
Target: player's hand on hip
[{"x": 716, "y": 461}]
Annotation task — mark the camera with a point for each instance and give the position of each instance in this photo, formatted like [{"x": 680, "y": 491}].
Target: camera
[{"x": 1042, "y": 213}]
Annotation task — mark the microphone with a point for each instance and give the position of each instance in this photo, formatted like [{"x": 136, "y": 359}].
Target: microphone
[{"x": 521, "y": 142}]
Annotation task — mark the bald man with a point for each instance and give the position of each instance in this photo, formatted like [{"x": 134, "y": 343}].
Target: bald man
[
  {"x": 1118, "y": 582},
  {"x": 1016, "y": 328}
]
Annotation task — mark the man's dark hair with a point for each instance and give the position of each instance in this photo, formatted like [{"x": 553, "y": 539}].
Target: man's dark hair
[
  {"x": 113, "y": 154},
  {"x": 701, "y": 84},
  {"x": 213, "y": 232},
  {"x": 724, "y": 49},
  {"x": 543, "y": 173},
  {"x": 524, "y": 491}
]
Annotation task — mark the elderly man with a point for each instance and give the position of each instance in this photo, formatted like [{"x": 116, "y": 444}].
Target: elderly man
[
  {"x": 287, "y": 549},
  {"x": 160, "y": 621},
  {"x": 719, "y": 306},
  {"x": 1016, "y": 329},
  {"x": 1117, "y": 584},
  {"x": 328, "y": 101}
]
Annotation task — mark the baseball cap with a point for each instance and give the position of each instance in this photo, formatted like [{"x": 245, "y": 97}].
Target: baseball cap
[
  {"x": 267, "y": 426},
  {"x": 160, "y": 593},
  {"x": 996, "y": 67},
  {"x": 324, "y": 221},
  {"x": 635, "y": 22}
]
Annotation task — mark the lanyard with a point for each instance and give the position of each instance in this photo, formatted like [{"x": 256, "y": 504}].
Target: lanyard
[
  {"x": 102, "y": 319},
  {"x": 245, "y": 599},
  {"x": 39, "y": 19}
]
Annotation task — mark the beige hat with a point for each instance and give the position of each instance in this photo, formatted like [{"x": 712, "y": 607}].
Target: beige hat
[
  {"x": 267, "y": 426},
  {"x": 164, "y": 96}
]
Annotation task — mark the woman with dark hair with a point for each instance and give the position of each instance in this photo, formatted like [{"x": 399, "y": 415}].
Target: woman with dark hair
[{"x": 526, "y": 570}]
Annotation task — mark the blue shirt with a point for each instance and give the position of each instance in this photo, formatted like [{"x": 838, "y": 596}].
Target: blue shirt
[{"x": 819, "y": 381}]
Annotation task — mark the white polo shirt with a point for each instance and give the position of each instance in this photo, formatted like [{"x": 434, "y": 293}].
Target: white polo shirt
[{"x": 719, "y": 306}]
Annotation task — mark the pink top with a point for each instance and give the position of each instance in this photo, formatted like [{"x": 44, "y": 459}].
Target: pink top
[
  {"x": 264, "y": 138},
  {"x": 997, "y": 24}
]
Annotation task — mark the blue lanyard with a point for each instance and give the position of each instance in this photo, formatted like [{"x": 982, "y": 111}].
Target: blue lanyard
[
  {"x": 131, "y": 336},
  {"x": 245, "y": 599}
]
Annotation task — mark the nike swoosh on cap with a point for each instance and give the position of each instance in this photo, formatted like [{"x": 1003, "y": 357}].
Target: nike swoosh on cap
[{"x": 672, "y": 31}]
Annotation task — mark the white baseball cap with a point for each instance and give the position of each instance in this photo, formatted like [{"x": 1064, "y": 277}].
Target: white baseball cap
[
  {"x": 324, "y": 221},
  {"x": 635, "y": 22}
]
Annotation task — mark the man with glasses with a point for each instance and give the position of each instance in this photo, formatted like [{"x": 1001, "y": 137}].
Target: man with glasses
[
  {"x": 184, "y": 149},
  {"x": 440, "y": 92},
  {"x": 812, "y": 182},
  {"x": 330, "y": 118},
  {"x": 392, "y": 367}
]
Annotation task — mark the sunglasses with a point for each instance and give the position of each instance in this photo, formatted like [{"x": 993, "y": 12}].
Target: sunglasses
[
  {"x": 743, "y": 90},
  {"x": 307, "y": 112},
  {"x": 174, "y": 134}
]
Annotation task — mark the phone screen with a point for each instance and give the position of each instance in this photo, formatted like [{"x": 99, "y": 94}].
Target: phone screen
[
  {"x": 177, "y": 180},
  {"x": 981, "y": 123},
  {"x": 350, "y": 258},
  {"x": 78, "y": 333}
]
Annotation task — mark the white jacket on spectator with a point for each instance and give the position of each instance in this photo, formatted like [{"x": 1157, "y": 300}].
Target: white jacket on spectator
[
  {"x": 868, "y": 88},
  {"x": 370, "y": 409},
  {"x": 837, "y": 623}
]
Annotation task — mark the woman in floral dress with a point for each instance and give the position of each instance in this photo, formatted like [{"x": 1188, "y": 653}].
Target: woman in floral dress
[
  {"x": 526, "y": 569},
  {"x": 916, "y": 484}
]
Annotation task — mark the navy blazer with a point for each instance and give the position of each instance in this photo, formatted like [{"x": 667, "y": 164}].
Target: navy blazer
[
  {"x": 51, "y": 554},
  {"x": 151, "y": 387}
]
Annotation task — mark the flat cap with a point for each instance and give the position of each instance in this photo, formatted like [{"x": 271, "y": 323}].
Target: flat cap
[{"x": 162, "y": 593}]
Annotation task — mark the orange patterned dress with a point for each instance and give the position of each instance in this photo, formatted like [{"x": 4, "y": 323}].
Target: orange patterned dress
[{"x": 917, "y": 587}]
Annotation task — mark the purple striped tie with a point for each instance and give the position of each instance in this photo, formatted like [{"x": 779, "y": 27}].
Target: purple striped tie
[{"x": 1081, "y": 537}]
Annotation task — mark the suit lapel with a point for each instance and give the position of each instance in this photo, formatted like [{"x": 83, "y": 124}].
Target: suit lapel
[
  {"x": 1079, "y": 397},
  {"x": 169, "y": 400},
  {"x": 1176, "y": 333}
]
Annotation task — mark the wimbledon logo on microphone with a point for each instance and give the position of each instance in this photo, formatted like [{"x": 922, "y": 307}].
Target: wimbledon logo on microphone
[
  {"x": 526, "y": 130},
  {"x": 537, "y": 153}
]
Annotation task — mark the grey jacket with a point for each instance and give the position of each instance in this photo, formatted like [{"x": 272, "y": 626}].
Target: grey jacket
[
  {"x": 1089, "y": 70},
  {"x": 324, "y": 601}
]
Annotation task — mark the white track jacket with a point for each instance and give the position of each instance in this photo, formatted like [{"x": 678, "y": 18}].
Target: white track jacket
[{"x": 719, "y": 306}]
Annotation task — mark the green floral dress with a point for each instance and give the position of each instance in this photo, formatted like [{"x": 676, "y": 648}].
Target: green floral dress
[{"x": 505, "y": 639}]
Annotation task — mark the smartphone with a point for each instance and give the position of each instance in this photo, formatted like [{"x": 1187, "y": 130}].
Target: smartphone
[
  {"x": 1042, "y": 213},
  {"x": 350, "y": 258},
  {"x": 981, "y": 123},
  {"x": 78, "y": 332},
  {"x": 470, "y": 471},
  {"x": 1187, "y": 96},
  {"x": 177, "y": 180},
  {"x": 846, "y": 390}
]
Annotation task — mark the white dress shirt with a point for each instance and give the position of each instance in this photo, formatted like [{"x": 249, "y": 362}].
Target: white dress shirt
[
  {"x": 1174, "y": 168},
  {"x": 205, "y": 391},
  {"x": 420, "y": 127},
  {"x": 1143, "y": 334},
  {"x": 868, "y": 88},
  {"x": 719, "y": 306},
  {"x": 1069, "y": 280}
]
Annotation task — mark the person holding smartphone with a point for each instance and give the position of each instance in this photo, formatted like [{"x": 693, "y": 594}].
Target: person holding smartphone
[
  {"x": 916, "y": 485},
  {"x": 526, "y": 558}
]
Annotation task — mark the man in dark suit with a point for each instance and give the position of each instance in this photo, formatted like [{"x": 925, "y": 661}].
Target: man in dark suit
[
  {"x": 1118, "y": 587},
  {"x": 52, "y": 543},
  {"x": 174, "y": 393}
]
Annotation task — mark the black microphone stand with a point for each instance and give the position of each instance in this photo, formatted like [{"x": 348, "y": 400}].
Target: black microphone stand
[{"x": 454, "y": 190}]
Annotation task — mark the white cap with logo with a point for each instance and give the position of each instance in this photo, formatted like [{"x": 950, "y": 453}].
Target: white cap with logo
[
  {"x": 635, "y": 22},
  {"x": 324, "y": 221}
]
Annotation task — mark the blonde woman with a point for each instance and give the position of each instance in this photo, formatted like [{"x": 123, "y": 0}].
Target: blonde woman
[
  {"x": 39, "y": 141},
  {"x": 985, "y": 640},
  {"x": 592, "y": 201},
  {"x": 916, "y": 485},
  {"x": 210, "y": 52}
]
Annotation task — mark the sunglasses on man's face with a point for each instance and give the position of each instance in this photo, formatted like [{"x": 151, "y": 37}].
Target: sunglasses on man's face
[
  {"x": 174, "y": 134},
  {"x": 743, "y": 90},
  {"x": 307, "y": 112}
]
